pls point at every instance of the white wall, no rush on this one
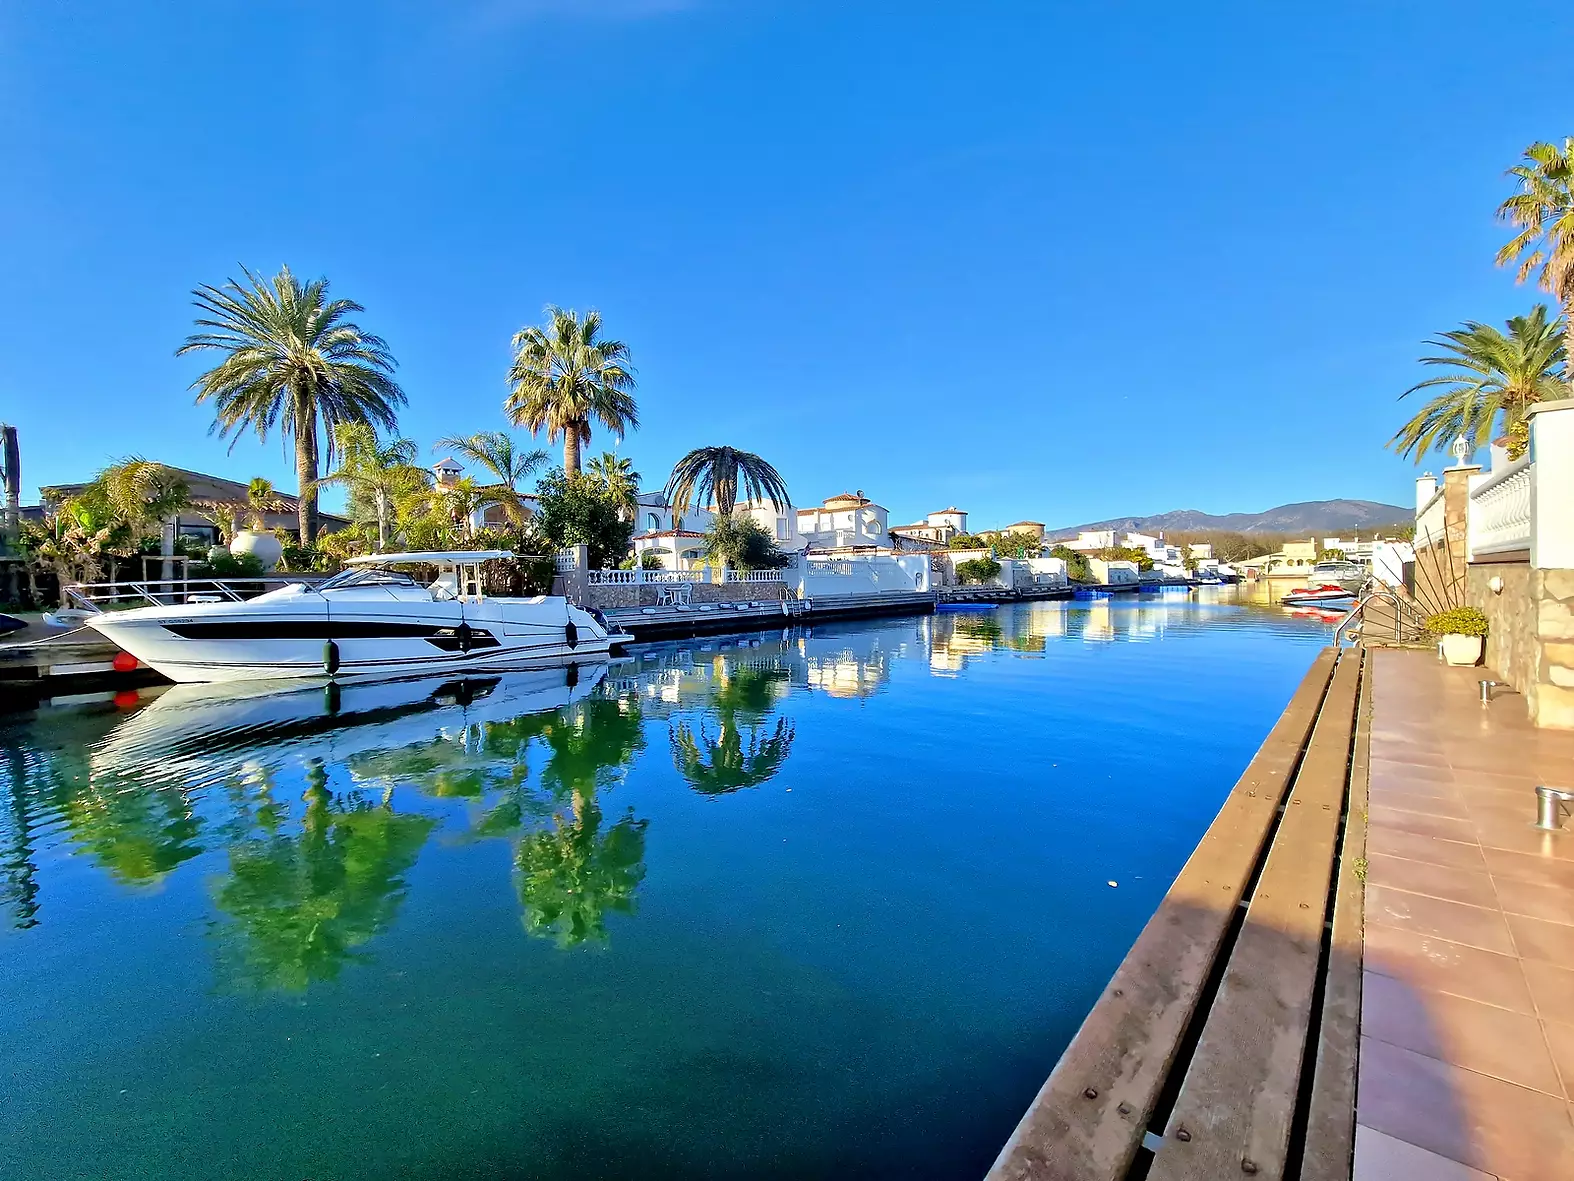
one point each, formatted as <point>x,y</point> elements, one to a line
<point>859,574</point>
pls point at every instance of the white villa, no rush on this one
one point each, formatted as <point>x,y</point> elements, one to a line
<point>676,538</point>
<point>850,520</point>
<point>939,527</point>
<point>448,472</point>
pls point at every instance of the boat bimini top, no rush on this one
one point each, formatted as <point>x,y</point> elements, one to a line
<point>458,571</point>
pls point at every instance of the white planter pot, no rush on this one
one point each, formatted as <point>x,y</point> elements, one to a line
<point>1465,650</point>
<point>265,546</point>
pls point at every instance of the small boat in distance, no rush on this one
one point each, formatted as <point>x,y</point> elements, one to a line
<point>1327,595</point>
<point>372,620</point>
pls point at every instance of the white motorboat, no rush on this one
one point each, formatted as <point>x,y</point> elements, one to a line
<point>373,620</point>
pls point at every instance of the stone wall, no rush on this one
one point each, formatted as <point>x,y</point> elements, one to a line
<point>1531,634</point>
<point>613,596</point>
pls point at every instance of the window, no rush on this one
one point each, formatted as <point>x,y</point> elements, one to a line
<point>677,523</point>
<point>652,522</point>
<point>781,529</point>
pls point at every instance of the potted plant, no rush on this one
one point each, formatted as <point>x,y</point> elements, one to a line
<point>255,538</point>
<point>1463,632</point>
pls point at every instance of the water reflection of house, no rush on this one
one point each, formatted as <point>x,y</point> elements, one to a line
<point>1099,623</point>
<point>845,674</point>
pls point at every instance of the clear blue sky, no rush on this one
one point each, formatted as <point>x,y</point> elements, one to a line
<point>1047,260</point>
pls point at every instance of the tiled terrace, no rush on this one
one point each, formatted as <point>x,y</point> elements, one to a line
<point>1467,1014</point>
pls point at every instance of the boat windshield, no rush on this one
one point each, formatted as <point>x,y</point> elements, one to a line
<point>367,576</point>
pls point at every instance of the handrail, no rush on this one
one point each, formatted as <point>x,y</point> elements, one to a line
<point>1370,592</point>
<point>1501,476</point>
<point>162,592</point>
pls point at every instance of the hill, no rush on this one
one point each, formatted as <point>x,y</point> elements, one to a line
<point>1319,517</point>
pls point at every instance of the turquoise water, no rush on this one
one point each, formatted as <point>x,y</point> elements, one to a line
<point>825,903</point>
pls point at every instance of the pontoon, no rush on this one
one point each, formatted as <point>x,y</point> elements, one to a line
<point>372,620</point>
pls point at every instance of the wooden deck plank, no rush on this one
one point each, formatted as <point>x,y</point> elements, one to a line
<point>1087,1120</point>
<point>1330,1128</point>
<point>1237,1102</point>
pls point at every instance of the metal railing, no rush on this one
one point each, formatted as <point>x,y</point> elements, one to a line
<point>1406,614</point>
<point>166,592</point>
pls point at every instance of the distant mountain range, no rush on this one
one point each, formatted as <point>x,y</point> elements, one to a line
<point>1321,517</point>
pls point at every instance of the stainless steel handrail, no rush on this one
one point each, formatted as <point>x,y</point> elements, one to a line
<point>1372,591</point>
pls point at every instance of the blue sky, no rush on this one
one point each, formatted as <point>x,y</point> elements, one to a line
<point>1047,260</point>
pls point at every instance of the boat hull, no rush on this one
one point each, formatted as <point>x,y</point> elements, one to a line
<point>303,635</point>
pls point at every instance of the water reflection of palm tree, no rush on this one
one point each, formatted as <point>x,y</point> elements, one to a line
<point>136,831</point>
<point>575,872</point>
<point>716,763</point>
<point>302,904</point>
<point>18,871</point>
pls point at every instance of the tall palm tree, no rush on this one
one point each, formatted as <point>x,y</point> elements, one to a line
<point>379,476</point>
<point>565,377</point>
<point>509,465</point>
<point>713,475</point>
<point>291,357</point>
<point>1543,212</point>
<point>619,479</point>
<point>1489,373</point>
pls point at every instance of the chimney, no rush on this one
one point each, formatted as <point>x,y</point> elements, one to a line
<point>1426,488</point>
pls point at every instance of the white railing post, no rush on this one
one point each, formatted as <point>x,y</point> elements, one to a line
<point>1552,485</point>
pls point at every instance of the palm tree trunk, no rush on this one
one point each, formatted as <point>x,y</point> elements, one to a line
<point>571,451</point>
<point>1568,332</point>
<point>382,520</point>
<point>306,469</point>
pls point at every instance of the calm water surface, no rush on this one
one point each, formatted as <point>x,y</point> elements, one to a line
<point>815,904</point>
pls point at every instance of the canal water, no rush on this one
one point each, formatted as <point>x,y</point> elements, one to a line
<point>823,903</point>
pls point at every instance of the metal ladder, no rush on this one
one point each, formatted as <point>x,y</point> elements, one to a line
<point>1406,615</point>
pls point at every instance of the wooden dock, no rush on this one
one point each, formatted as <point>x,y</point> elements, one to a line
<point>654,623</point>
<point>1225,1044</point>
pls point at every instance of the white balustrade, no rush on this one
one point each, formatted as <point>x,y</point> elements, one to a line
<point>1431,523</point>
<point>1499,520</point>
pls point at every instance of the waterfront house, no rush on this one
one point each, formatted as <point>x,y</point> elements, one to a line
<point>448,471</point>
<point>936,529</point>
<point>200,486</point>
<point>1031,529</point>
<point>847,521</point>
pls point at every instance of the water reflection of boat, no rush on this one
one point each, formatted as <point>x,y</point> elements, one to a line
<point>196,732</point>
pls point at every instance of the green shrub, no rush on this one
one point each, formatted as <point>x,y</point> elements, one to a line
<point>977,570</point>
<point>1077,569</point>
<point>223,565</point>
<point>1458,621</point>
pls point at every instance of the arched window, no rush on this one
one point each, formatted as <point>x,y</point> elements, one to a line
<point>677,523</point>
<point>652,522</point>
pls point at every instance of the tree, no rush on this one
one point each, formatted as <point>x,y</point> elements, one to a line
<point>1543,212</point>
<point>1490,373</point>
<point>291,358</point>
<point>578,511</point>
<point>380,477</point>
<point>508,464</point>
<point>713,475</point>
<point>566,377</point>
<point>743,544</point>
<point>618,477</point>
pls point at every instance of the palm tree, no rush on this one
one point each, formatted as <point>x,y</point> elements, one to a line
<point>619,479</point>
<point>565,377</point>
<point>291,357</point>
<point>495,451</point>
<point>379,476</point>
<point>1543,212</point>
<point>714,475</point>
<point>1489,373</point>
